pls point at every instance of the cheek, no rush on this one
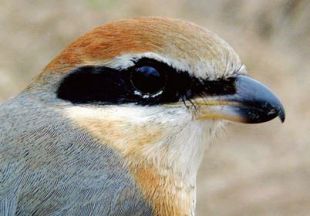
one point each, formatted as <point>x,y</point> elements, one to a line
<point>130,130</point>
<point>126,137</point>
<point>126,130</point>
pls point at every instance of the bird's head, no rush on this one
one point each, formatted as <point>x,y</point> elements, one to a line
<point>154,89</point>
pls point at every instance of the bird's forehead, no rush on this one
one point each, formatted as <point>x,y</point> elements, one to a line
<point>181,44</point>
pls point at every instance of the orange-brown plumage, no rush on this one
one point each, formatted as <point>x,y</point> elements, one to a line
<point>170,37</point>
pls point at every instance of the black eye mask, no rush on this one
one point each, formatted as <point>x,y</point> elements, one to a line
<point>148,82</point>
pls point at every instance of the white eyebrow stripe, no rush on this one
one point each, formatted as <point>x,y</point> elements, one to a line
<point>202,69</point>
<point>127,60</point>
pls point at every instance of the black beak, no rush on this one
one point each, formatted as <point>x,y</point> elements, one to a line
<point>252,102</point>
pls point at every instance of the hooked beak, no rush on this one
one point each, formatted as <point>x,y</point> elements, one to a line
<point>252,102</point>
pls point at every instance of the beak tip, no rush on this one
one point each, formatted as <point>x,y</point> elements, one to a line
<point>281,115</point>
<point>280,111</point>
<point>277,111</point>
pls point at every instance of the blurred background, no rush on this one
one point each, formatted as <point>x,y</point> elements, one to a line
<point>250,169</point>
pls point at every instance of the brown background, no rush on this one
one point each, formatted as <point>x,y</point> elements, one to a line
<point>250,169</point>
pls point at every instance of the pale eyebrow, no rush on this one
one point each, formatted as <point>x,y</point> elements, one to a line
<point>201,70</point>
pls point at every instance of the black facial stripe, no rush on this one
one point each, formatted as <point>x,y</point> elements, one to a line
<point>103,85</point>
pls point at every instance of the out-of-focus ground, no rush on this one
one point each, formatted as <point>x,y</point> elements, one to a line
<point>250,169</point>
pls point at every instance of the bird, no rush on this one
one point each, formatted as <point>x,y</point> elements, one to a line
<point>118,122</point>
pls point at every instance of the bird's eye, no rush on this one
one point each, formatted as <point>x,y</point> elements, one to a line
<point>147,80</point>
